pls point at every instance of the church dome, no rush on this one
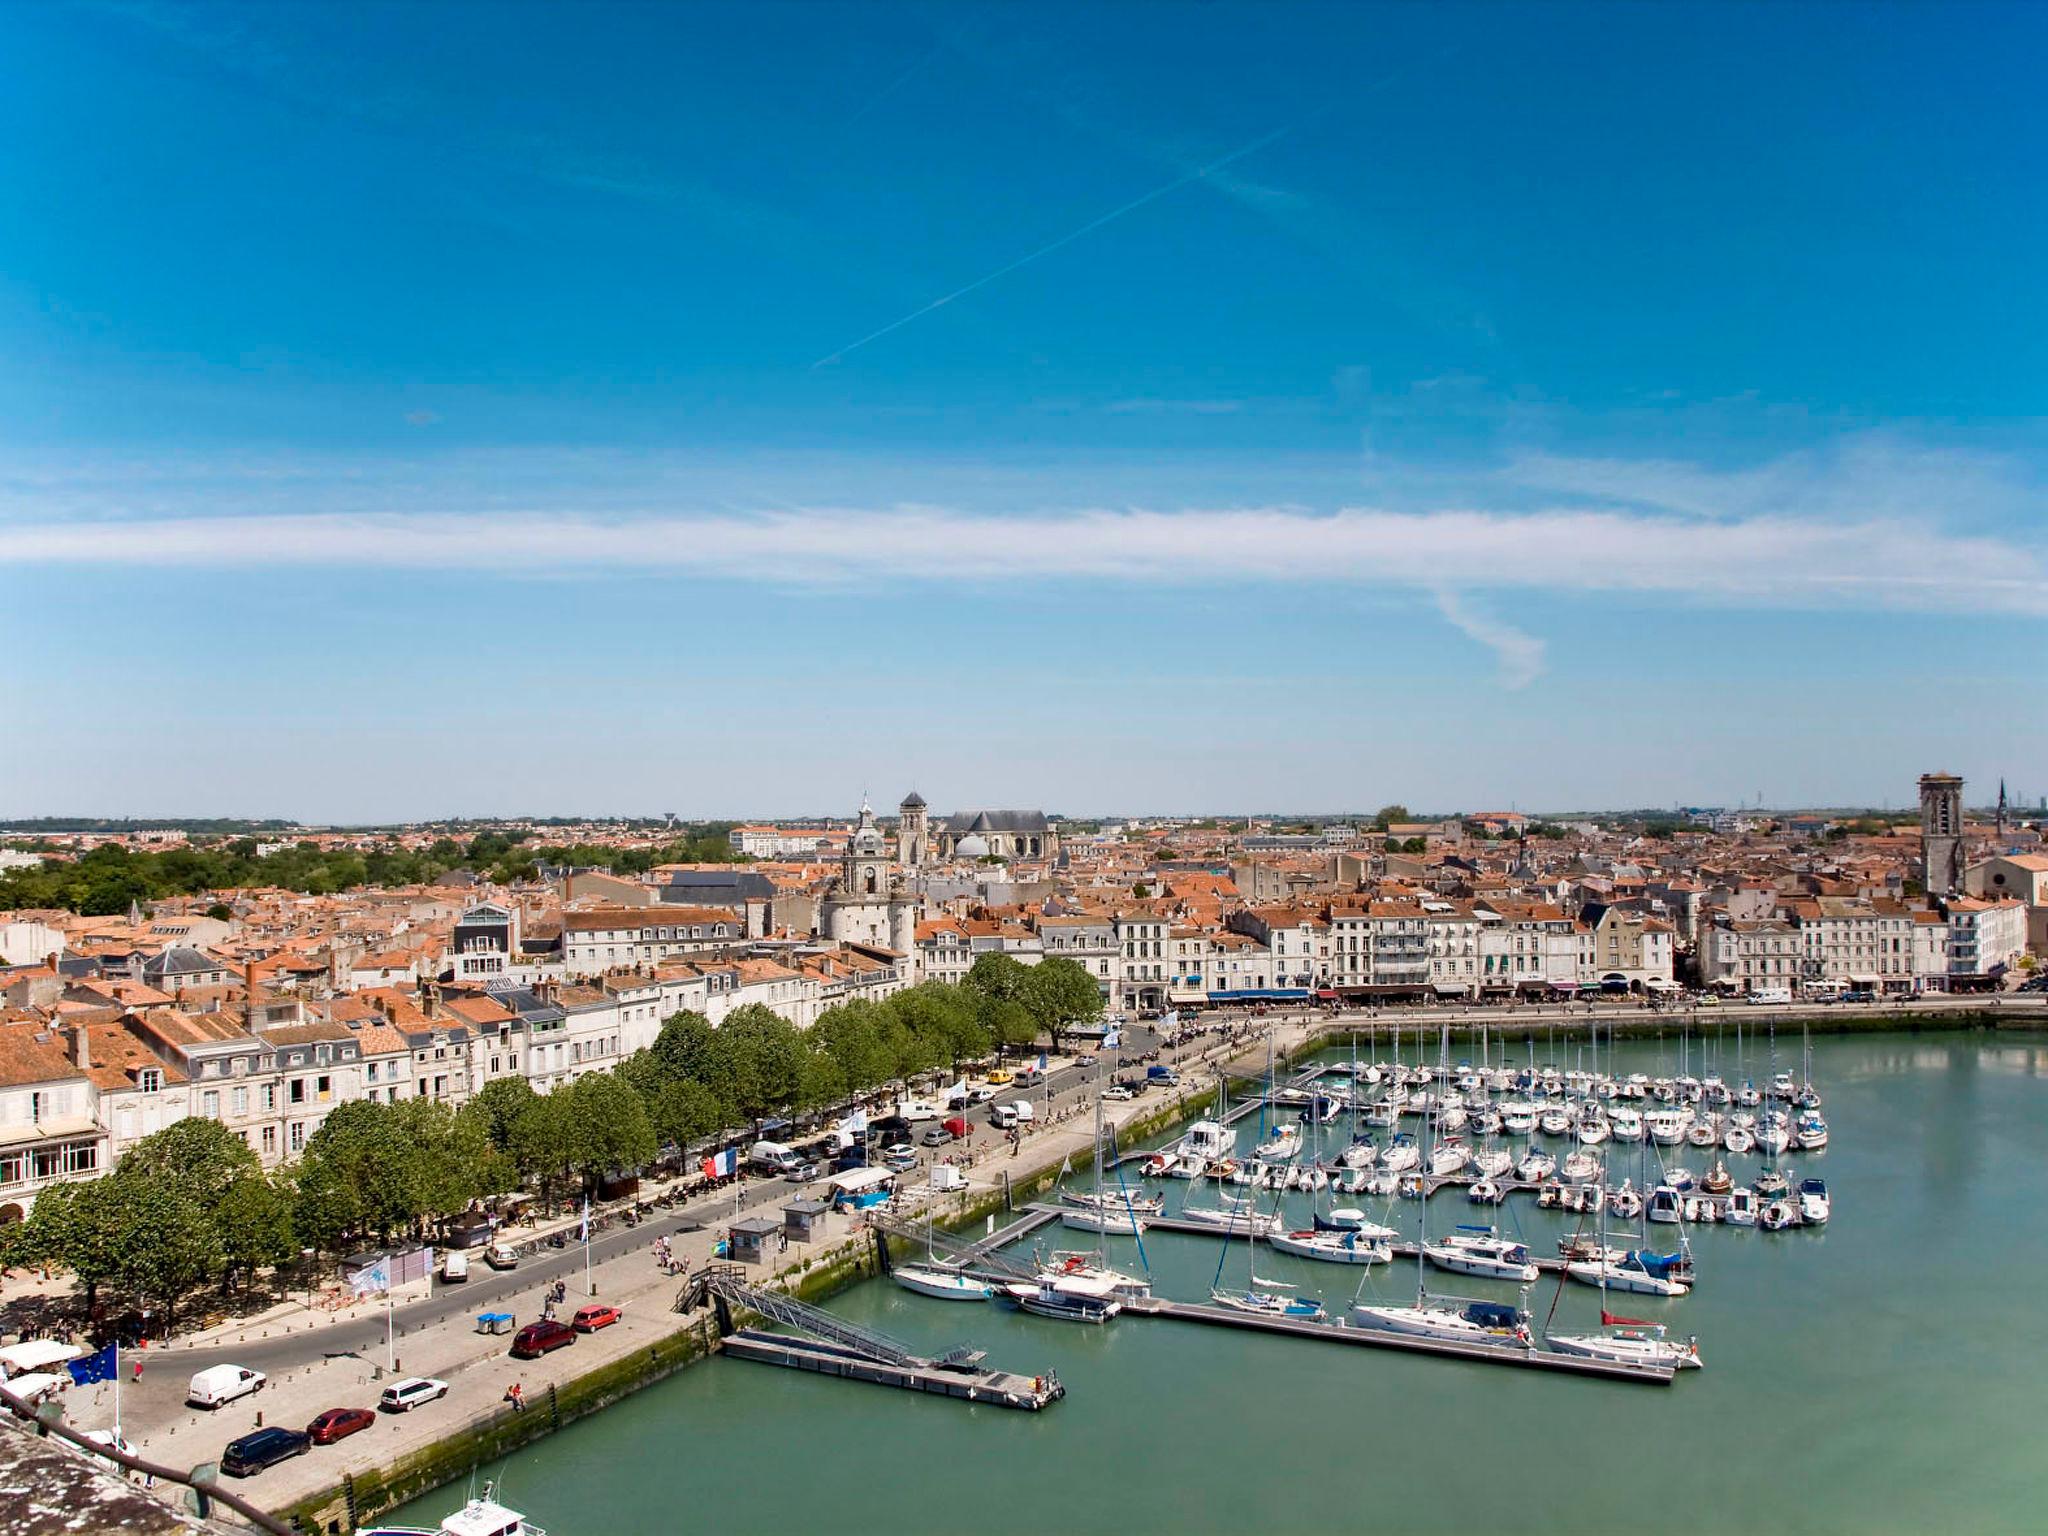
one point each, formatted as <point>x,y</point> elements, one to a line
<point>972,847</point>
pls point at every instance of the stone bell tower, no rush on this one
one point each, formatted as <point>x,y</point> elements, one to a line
<point>913,839</point>
<point>1941,833</point>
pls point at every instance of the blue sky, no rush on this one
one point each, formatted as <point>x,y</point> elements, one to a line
<point>483,408</point>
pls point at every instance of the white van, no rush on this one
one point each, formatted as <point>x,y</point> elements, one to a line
<point>220,1384</point>
<point>1025,1113</point>
<point>772,1157</point>
<point>1003,1116</point>
<point>1771,995</point>
<point>454,1265</point>
<point>915,1110</point>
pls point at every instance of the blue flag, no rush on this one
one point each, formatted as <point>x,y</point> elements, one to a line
<point>104,1366</point>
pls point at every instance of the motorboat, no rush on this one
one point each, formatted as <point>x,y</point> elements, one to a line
<point>483,1516</point>
<point>1477,1322</point>
<point>1664,1204</point>
<point>1479,1251</point>
<point>1043,1299</point>
<point>1353,1181</point>
<point>1347,1218</point>
<point>1777,1215</point>
<point>1811,1134</point>
<point>1626,1203</point>
<point>1679,1177</point>
<point>1517,1118</point>
<point>1554,1122</point>
<point>1486,1191</point>
<point>1593,1129</point>
<point>1741,1209</point>
<point>1814,1205</point>
<point>1624,1123</point>
<point>1206,1140</point>
<point>1739,1139</point>
<point>1666,1126</point>
<point>1717,1179</point>
<point>941,1284</point>
<point>1343,1246</point>
<point>1078,1271</point>
<point>1771,1183</point>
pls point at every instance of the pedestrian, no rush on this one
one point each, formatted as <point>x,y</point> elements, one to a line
<point>138,1369</point>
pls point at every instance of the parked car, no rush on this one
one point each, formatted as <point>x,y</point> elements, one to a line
<point>981,1093</point>
<point>454,1266</point>
<point>936,1136</point>
<point>1118,1093</point>
<point>902,1159</point>
<point>265,1448</point>
<point>338,1424</point>
<point>1000,1076</point>
<point>501,1256</point>
<point>802,1173</point>
<point>591,1318</point>
<point>221,1384</point>
<point>537,1339</point>
<point>404,1396</point>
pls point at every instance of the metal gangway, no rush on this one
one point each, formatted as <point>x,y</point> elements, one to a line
<point>726,1286</point>
<point>954,1250</point>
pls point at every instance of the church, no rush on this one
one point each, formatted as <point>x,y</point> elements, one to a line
<point>971,835</point>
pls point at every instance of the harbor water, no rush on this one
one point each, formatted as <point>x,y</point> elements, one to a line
<point>1881,1373</point>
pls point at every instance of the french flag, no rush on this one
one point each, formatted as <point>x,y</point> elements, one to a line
<point>722,1165</point>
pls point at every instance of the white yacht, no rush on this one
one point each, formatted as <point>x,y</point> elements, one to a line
<point>479,1517</point>
<point>1450,1156</point>
<point>1625,1275</point>
<point>1477,1322</point>
<point>1535,1166</point>
<point>941,1284</point>
<point>1625,1123</point>
<point>1814,1204</point>
<point>1283,1144</point>
<point>1347,1245</point>
<point>1478,1251</point>
<point>1630,1344</point>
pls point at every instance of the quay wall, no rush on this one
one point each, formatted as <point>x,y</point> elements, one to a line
<point>815,1278</point>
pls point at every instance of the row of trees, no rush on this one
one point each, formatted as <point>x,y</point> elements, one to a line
<point>108,878</point>
<point>192,1205</point>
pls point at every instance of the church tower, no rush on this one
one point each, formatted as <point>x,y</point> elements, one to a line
<point>1941,833</point>
<point>912,836</point>
<point>864,870</point>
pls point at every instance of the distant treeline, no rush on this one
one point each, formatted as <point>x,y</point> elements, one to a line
<point>106,880</point>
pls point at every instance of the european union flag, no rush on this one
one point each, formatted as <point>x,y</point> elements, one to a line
<point>104,1366</point>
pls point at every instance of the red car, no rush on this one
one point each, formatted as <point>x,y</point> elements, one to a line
<point>537,1339</point>
<point>338,1424</point>
<point>590,1319</point>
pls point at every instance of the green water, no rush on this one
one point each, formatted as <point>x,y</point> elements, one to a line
<point>1881,1374</point>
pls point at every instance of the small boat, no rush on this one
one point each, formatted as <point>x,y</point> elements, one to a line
<point>1233,1217</point>
<point>1401,1154</point>
<point>1043,1299</point>
<point>1517,1118</point>
<point>1718,1180</point>
<point>1486,1192</point>
<point>1739,1139</point>
<point>942,1284</point>
<point>1479,1251</point>
<point>1554,1122</point>
<point>1450,1156</point>
<point>1493,1162</point>
<point>1579,1167</point>
<point>1772,1183</point>
<point>1664,1204</point>
<point>1704,1132</point>
<point>1271,1303</point>
<point>1814,1205</point>
<point>1811,1134</point>
<point>1333,1247</point>
<point>1078,1272</point>
<point>1625,1123</point>
<point>1626,1202</point>
<point>1354,1181</point>
<point>1778,1215</point>
<point>1349,1219</point>
<point>1679,1178</point>
<point>1741,1210</point>
<point>1593,1130</point>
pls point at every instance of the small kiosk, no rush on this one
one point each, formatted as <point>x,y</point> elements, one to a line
<point>748,1241</point>
<point>804,1220</point>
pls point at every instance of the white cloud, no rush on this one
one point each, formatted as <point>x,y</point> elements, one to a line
<point>1763,560</point>
<point>1520,655</point>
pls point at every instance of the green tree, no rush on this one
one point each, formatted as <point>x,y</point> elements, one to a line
<point>1059,993</point>
<point>363,1174</point>
<point>1388,815</point>
<point>760,1054</point>
<point>200,1157</point>
<point>607,1126</point>
<point>253,1225</point>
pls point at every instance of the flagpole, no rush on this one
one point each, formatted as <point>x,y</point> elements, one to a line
<point>117,1394</point>
<point>589,1285</point>
<point>390,1333</point>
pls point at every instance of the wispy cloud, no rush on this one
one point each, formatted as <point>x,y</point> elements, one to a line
<point>1876,563</point>
<point>1520,654</point>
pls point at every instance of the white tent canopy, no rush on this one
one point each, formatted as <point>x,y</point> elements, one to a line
<point>36,1355</point>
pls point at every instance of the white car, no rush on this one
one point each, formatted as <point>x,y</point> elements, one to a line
<point>404,1396</point>
<point>1117,1093</point>
<point>981,1093</point>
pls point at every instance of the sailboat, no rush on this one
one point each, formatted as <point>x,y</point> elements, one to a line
<point>1628,1341</point>
<point>1267,1298</point>
<point>935,1280</point>
<point>1081,1287</point>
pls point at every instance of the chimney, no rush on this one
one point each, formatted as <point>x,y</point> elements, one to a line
<point>430,999</point>
<point>81,1050</point>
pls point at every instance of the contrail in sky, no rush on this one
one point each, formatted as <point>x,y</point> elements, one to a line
<point>1064,240</point>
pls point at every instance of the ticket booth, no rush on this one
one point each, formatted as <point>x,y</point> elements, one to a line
<point>804,1220</point>
<point>749,1241</point>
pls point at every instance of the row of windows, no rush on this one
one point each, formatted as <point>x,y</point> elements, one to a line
<point>48,1163</point>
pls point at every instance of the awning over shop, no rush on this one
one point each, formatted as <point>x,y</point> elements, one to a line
<point>1260,995</point>
<point>1179,995</point>
<point>1450,989</point>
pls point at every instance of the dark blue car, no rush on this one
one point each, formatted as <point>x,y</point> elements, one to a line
<point>265,1448</point>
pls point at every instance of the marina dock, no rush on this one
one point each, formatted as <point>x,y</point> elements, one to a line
<point>1338,1333</point>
